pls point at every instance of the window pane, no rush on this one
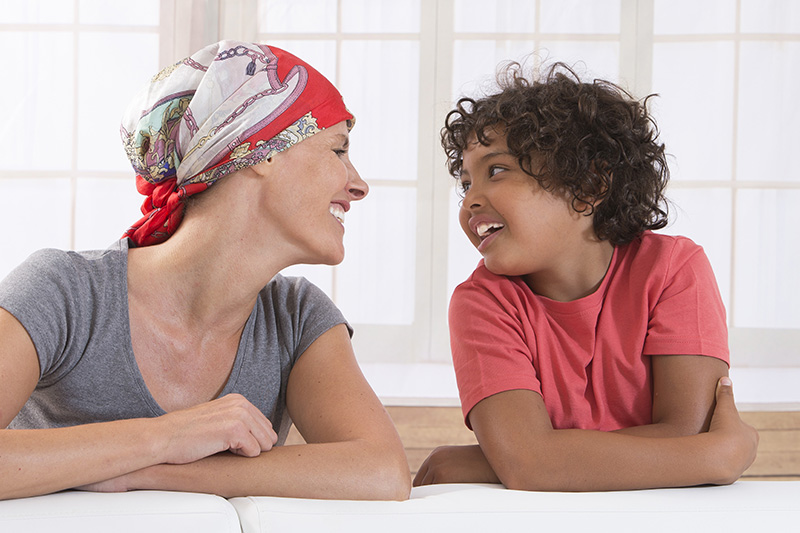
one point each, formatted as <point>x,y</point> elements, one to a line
<point>695,119</point>
<point>704,215</point>
<point>27,230</point>
<point>770,16</point>
<point>590,59</point>
<point>104,209</point>
<point>767,255</point>
<point>138,13</point>
<point>380,83</point>
<point>380,16</point>
<point>36,132</point>
<point>36,12</point>
<point>475,63</point>
<point>580,16</point>
<point>376,282</point>
<point>768,111</point>
<point>694,16</point>
<point>128,59</point>
<point>500,16</point>
<point>297,16</point>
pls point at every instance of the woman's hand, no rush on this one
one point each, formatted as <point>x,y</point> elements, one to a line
<point>230,423</point>
<point>455,464</point>
<point>737,441</point>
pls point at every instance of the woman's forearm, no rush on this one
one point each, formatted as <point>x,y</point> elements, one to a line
<point>357,470</point>
<point>42,461</point>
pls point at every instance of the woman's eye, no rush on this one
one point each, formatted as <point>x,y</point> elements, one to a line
<point>340,152</point>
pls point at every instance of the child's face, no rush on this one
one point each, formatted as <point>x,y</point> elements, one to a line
<point>519,228</point>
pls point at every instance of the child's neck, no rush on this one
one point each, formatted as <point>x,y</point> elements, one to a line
<point>576,276</point>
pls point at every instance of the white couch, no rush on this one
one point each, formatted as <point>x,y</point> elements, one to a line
<point>745,506</point>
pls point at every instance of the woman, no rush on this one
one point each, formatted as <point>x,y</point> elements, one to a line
<point>173,359</point>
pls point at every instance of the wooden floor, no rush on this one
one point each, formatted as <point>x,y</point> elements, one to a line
<point>424,428</point>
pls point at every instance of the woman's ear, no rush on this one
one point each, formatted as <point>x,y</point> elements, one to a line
<point>264,167</point>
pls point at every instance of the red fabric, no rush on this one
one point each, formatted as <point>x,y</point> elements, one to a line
<point>163,209</point>
<point>589,358</point>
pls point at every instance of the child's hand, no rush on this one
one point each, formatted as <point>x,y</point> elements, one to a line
<point>455,464</point>
<point>738,441</point>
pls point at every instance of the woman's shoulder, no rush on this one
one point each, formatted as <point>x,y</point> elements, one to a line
<point>48,257</point>
<point>291,288</point>
<point>75,276</point>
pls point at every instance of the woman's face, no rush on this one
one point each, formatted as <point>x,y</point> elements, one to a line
<point>310,187</point>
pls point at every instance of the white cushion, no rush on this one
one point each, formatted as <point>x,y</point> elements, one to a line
<point>744,506</point>
<point>130,512</point>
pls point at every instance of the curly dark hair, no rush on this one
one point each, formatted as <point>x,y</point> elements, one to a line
<point>598,144</point>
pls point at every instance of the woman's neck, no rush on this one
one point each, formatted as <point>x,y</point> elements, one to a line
<point>208,274</point>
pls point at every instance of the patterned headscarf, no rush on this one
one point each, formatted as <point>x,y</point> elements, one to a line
<point>229,106</point>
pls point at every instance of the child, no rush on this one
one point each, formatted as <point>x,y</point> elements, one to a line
<point>587,348</point>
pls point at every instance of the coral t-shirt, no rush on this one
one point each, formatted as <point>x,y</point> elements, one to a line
<point>588,358</point>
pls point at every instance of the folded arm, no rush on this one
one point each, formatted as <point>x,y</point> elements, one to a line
<point>222,447</point>
<point>353,449</point>
<point>519,444</point>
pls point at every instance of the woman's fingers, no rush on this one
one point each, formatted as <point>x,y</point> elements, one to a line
<point>230,423</point>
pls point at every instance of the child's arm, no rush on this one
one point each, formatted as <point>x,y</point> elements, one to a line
<point>683,404</point>
<point>683,395</point>
<point>519,443</point>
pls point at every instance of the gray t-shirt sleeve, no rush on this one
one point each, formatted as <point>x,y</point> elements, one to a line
<point>43,294</point>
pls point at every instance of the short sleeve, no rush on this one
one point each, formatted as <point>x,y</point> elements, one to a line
<point>489,343</point>
<point>689,315</point>
<point>301,312</point>
<point>37,293</point>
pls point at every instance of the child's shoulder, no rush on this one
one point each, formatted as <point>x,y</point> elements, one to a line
<point>494,286</point>
<point>651,246</point>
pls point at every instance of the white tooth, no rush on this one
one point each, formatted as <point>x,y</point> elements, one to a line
<point>337,211</point>
<point>484,227</point>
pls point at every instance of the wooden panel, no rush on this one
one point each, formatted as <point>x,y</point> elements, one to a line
<point>424,428</point>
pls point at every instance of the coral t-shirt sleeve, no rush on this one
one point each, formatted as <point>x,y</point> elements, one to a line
<point>689,315</point>
<point>489,342</point>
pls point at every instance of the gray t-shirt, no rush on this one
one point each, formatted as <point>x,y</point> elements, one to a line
<point>74,306</point>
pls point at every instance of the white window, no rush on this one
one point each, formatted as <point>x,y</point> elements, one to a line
<point>725,70</point>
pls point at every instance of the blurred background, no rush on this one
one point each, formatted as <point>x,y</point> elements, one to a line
<point>727,72</point>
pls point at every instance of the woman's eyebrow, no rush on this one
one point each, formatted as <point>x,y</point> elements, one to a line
<point>345,139</point>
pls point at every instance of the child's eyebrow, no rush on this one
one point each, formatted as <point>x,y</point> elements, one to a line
<point>490,155</point>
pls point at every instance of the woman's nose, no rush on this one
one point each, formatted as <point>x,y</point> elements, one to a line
<point>357,188</point>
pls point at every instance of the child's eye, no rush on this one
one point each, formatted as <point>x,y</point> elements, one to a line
<point>493,171</point>
<point>463,186</point>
